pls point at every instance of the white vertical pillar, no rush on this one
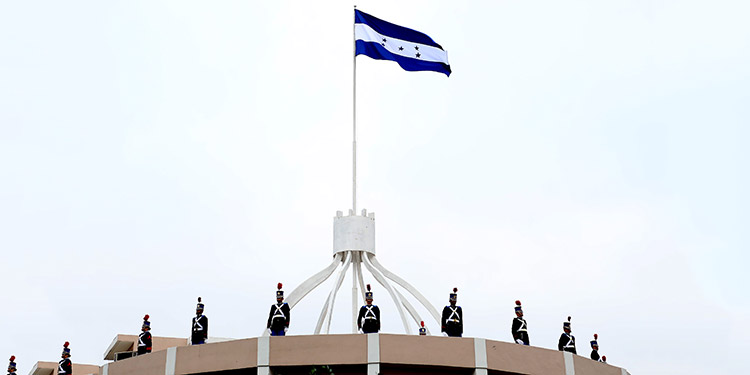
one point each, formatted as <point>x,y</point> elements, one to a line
<point>373,353</point>
<point>569,366</point>
<point>264,354</point>
<point>355,310</point>
<point>171,361</point>
<point>480,357</point>
<point>105,369</point>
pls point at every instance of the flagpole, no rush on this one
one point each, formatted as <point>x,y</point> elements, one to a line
<point>354,119</point>
<point>354,167</point>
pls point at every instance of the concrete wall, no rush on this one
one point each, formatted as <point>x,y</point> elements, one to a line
<point>78,369</point>
<point>158,342</point>
<point>220,356</point>
<point>427,350</point>
<point>318,350</point>
<point>400,354</point>
<point>153,363</point>
<point>585,365</point>
<point>503,356</point>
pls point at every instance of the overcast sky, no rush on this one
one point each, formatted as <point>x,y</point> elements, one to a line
<point>588,158</point>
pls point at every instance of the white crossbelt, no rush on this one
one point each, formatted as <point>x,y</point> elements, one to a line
<point>60,369</point>
<point>197,325</point>
<point>140,340</point>
<point>370,314</point>
<point>278,312</point>
<point>454,313</point>
<point>523,325</point>
<point>570,341</point>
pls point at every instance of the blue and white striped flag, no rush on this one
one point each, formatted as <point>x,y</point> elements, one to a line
<point>413,50</point>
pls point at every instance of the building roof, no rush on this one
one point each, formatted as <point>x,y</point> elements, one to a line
<point>50,368</point>
<point>125,343</point>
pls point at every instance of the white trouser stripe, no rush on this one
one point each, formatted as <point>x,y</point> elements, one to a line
<point>427,53</point>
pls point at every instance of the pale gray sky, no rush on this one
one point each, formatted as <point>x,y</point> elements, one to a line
<point>586,157</point>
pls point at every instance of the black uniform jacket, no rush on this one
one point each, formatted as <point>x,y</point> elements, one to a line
<point>370,320</point>
<point>595,355</point>
<point>144,343</point>
<point>567,343</point>
<point>278,318</point>
<point>65,367</point>
<point>200,329</point>
<point>519,330</point>
<point>452,323</point>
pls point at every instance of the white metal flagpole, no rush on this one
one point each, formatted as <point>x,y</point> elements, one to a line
<point>354,120</point>
<point>354,165</point>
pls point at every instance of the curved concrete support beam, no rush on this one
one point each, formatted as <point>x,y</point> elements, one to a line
<point>358,267</point>
<point>414,292</point>
<point>412,311</point>
<point>327,312</point>
<point>381,274</point>
<point>322,317</point>
<point>347,263</point>
<point>311,283</point>
<point>384,282</point>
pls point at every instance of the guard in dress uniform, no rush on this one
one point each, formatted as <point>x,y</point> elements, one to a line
<point>422,329</point>
<point>278,318</point>
<point>368,320</point>
<point>12,365</point>
<point>453,317</point>
<point>595,348</point>
<point>567,341</point>
<point>200,325</point>
<point>519,329</point>
<point>144,339</point>
<point>65,366</point>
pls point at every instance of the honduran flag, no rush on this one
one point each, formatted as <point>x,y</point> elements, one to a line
<point>413,50</point>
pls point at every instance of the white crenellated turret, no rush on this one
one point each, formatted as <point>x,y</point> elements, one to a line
<point>354,233</point>
<point>354,246</point>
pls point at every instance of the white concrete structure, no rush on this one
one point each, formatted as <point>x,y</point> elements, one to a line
<point>354,245</point>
